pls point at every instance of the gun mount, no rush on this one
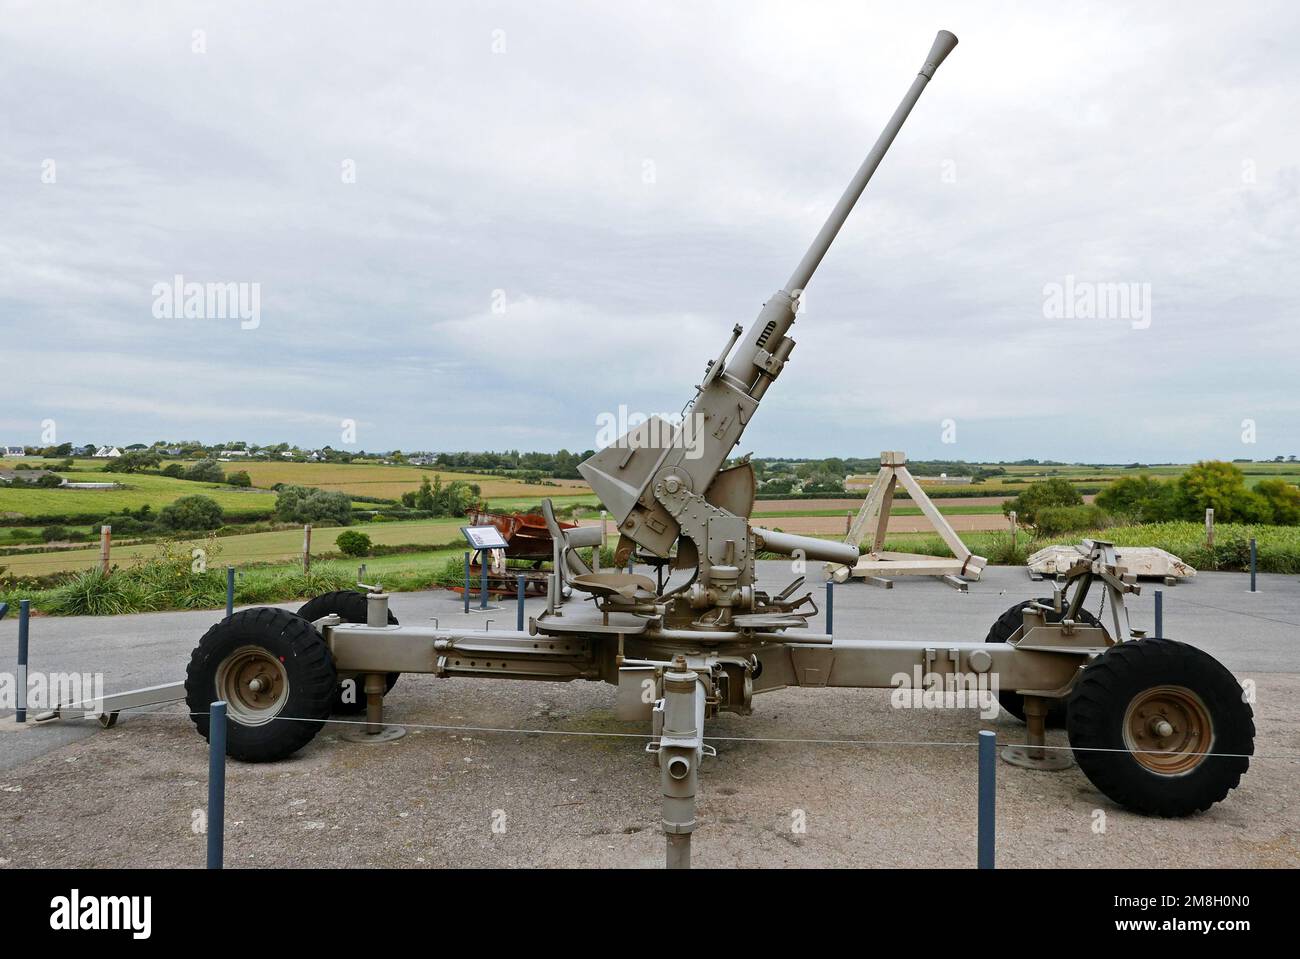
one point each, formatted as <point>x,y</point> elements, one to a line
<point>665,483</point>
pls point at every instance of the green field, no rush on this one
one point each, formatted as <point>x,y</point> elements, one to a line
<point>390,481</point>
<point>138,490</point>
<point>43,506</point>
<point>284,545</point>
<point>267,556</point>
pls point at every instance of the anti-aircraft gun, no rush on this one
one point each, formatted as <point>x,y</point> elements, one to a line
<point>1157,725</point>
<point>664,482</point>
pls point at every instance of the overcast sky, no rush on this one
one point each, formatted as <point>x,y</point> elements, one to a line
<point>558,208</point>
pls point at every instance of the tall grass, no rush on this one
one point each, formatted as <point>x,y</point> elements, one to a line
<point>1277,547</point>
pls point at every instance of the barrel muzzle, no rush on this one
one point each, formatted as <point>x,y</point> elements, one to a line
<point>944,43</point>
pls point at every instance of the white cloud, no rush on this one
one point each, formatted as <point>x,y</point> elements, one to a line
<point>1105,142</point>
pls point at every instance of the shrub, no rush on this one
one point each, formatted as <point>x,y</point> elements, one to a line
<point>205,471</point>
<point>174,470</point>
<point>191,513</point>
<point>1002,549</point>
<point>49,481</point>
<point>1140,499</point>
<point>167,580</point>
<point>133,462</point>
<point>352,543</point>
<point>1047,493</point>
<point>451,573</point>
<point>1056,520</point>
<point>1284,500</point>
<point>54,533</point>
<point>438,500</point>
<point>303,504</point>
<point>239,479</point>
<point>1220,486</point>
<point>125,523</point>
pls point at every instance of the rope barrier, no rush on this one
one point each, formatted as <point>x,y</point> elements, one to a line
<point>972,744</point>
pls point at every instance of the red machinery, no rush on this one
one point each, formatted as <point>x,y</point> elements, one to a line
<point>527,541</point>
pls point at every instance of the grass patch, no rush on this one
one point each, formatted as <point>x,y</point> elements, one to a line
<point>35,506</point>
<point>1278,547</point>
<point>267,547</point>
<point>169,580</point>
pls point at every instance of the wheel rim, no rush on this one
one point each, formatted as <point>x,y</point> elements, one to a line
<point>1168,729</point>
<point>254,685</point>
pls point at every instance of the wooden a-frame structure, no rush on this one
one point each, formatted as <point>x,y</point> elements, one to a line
<point>876,565</point>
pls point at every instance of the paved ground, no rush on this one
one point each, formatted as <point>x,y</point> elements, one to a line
<point>74,795</point>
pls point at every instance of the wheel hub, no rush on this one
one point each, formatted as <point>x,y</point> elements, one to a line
<point>254,685</point>
<point>1168,729</point>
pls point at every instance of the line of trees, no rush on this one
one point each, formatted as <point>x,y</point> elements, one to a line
<point>1210,484</point>
<point>1054,506</point>
<point>561,465</point>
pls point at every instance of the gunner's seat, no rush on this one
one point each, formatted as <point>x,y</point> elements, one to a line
<point>617,587</point>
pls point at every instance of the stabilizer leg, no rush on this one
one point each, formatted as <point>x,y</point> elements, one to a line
<point>679,752</point>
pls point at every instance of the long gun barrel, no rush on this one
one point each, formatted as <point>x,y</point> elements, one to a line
<point>623,474</point>
<point>943,45</point>
<point>766,347</point>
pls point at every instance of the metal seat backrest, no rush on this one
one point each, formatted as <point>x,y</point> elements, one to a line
<point>571,563</point>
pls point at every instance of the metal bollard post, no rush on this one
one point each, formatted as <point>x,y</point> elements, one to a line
<point>519,603</point>
<point>1252,565</point>
<point>216,783</point>
<point>230,590</point>
<point>987,797</point>
<point>830,606</point>
<point>1160,614</point>
<point>467,582</point>
<point>24,615</point>
<point>482,583</point>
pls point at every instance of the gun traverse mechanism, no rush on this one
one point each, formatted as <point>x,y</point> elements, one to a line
<point>665,483</point>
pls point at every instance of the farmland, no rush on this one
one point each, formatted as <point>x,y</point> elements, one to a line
<point>977,514</point>
<point>37,507</point>
<point>137,490</point>
<point>273,547</point>
<point>390,482</point>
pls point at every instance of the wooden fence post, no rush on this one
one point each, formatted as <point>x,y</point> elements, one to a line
<point>1209,527</point>
<point>105,548</point>
<point>306,548</point>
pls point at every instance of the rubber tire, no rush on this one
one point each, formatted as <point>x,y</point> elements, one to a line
<point>310,669</point>
<point>1097,707</point>
<point>1004,628</point>
<point>350,606</point>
